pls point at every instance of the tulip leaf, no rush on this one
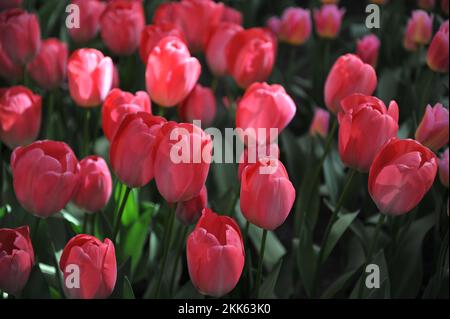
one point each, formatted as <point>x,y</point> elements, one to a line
<point>268,286</point>
<point>127,289</point>
<point>36,287</point>
<point>334,175</point>
<point>131,211</point>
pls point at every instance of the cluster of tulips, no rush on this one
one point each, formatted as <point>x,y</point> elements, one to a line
<point>47,174</point>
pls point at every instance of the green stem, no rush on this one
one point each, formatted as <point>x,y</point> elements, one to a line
<point>50,111</point>
<point>86,142</point>
<point>85,223</point>
<point>55,263</point>
<point>119,216</point>
<point>214,84</point>
<point>93,217</point>
<point>177,258</point>
<point>1,174</point>
<point>260,263</point>
<point>36,230</point>
<point>231,209</point>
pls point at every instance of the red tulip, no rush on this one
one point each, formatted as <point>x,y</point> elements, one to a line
<point>368,48</point>
<point>90,13</point>
<point>443,168</point>
<point>320,123</point>
<point>189,212</point>
<point>232,15</point>
<point>20,35</point>
<point>347,76</point>
<point>295,26</point>
<point>181,159</point>
<point>274,25</point>
<point>437,56</point>
<point>117,105</point>
<point>45,175</point>
<point>419,28</point>
<point>250,56</point>
<point>121,26</point>
<point>8,4</point>
<point>365,126</point>
<point>90,76</point>
<point>166,13</point>
<point>16,258</point>
<point>20,116</point>
<point>215,254</point>
<point>131,148</point>
<point>171,72</point>
<point>95,184</point>
<point>215,48</point>
<point>328,20</point>
<point>252,154</point>
<point>48,68</point>
<point>9,70</point>
<point>433,129</point>
<point>267,194</point>
<point>263,109</point>
<point>199,105</point>
<point>96,264</point>
<point>401,174</point>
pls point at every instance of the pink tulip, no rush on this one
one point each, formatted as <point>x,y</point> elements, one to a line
<point>437,56</point>
<point>9,70</point>
<point>419,28</point>
<point>252,154</point>
<point>90,13</point>
<point>189,212</point>
<point>320,123</point>
<point>368,49</point>
<point>328,20</point>
<point>232,15</point>
<point>295,26</point>
<point>199,105</point>
<point>274,25</point>
<point>433,129</point>
<point>443,168</point>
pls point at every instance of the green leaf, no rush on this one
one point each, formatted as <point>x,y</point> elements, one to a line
<point>127,289</point>
<point>334,175</point>
<point>36,287</point>
<point>307,259</point>
<point>268,286</point>
<point>131,211</point>
<point>188,291</point>
<point>342,282</point>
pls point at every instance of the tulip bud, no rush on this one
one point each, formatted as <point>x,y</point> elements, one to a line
<point>267,194</point>
<point>20,116</point>
<point>189,212</point>
<point>9,70</point>
<point>274,25</point>
<point>320,123</point>
<point>16,259</point>
<point>347,76</point>
<point>171,72</point>
<point>328,20</point>
<point>96,264</point>
<point>295,26</point>
<point>433,129</point>
<point>117,105</point>
<point>419,28</point>
<point>8,4</point>
<point>437,56</point>
<point>90,76</point>
<point>401,175</point>
<point>45,175</point>
<point>232,15</point>
<point>20,35</point>
<point>199,105</point>
<point>131,148</point>
<point>215,254</point>
<point>95,184</point>
<point>48,68</point>
<point>181,159</point>
<point>365,126</point>
<point>90,13</point>
<point>250,56</point>
<point>252,154</point>
<point>263,109</point>
<point>443,168</point>
<point>368,48</point>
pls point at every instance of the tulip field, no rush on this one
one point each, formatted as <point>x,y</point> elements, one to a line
<point>233,149</point>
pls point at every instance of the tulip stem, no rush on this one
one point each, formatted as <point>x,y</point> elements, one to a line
<point>85,223</point>
<point>177,258</point>
<point>120,213</point>
<point>260,263</point>
<point>55,261</point>
<point>86,133</point>
<point>51,102</point>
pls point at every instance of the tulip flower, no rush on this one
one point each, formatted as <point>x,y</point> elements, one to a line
<point>320,123</point>
<point>131,148</point>
<point>216,45</point>
<point>365,126</point>
<point>121,25</point>
<point>433,129</point>
<point>45,176</point>
<point>199,105</point>
<point>171,72</point>
<point>20,116</point>
<point>252,154</point>
<point>418,29</point>
<point>437,56</point>
<point>328,20</point>
<point>401,175</point>
<point>90,13</point>
<point>215,254</point>
<point>250,56</point>
<point>368,49</point>
<point>96,264</point>
<point>16,259</point>
<point>274,25</point>
<point>20,35</point>
<point>9,70</point>
<point>443,168</point>
<point>189,212</point>
<point>295,26</point>
<point>347,76</point>
<point>426,4</point>
<point>8,4</point>
<point>48,68</point>
<point>263,109</point>
<point>166,13</point>
<point>117,105</point>
<point>90,76</point>
<point>181,160</point>
<point>95,184</point>
<point>232,15</point>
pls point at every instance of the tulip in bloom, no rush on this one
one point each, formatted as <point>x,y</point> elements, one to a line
<point>365,126</point>
<point>16,258</point>
<point>274,25</point>
<point>131,148</point>
<point>328,20</point>
<point>252,154</point>
<point>433,129</point>
<point>295,26</point>
<point>250,56</point>
<point>443,168</point>
<point>320,123</point>
<point>48,68</point>
<point>437,56</point>
<point>90,76</point>
<point>45,176</point>
<point>199,105</point>
<point>97,266</point>
<point>368,49</point>
<point>95,184</point>
<point>117,105</point>
<point>90,13</point>
<point>20,35</point>
<point>9,70</point>
<point>347,76</point>
<point>20,116</point>
<point>401,175</point>
<point>232,15</point>
<point>215,254</point>
<point>171,72</point>
<point>189,212</point>
<point>419,28</point>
